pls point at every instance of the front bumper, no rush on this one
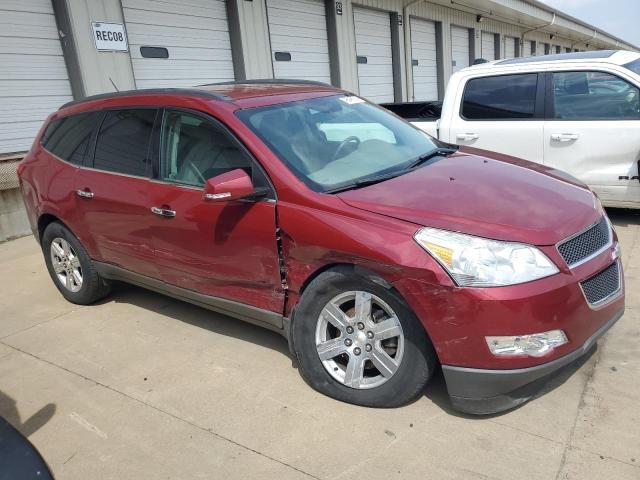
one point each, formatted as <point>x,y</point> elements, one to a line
<point>480,391</point>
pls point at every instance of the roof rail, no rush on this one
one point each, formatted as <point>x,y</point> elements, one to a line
<point>591,54</point>
<point>269,81</point>
<point>150,91</point>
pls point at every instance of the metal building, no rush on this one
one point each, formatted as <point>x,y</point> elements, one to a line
<point>52,51</point>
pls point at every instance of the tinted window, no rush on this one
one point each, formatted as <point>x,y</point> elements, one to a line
<point>123,141</point>
<point>500,98</point>
<point>594,95</point>
<point>194,149</point>
<point>68,137</point>
<point>634,66</point>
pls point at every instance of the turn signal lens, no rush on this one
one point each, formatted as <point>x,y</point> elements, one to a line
<point>534,345</point>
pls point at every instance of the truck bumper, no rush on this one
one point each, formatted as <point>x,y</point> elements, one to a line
<point>482,392</point>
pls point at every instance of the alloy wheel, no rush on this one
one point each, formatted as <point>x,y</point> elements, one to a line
<point>359,340</point>
<point>66,264</point>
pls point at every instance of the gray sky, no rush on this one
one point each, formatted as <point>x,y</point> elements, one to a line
<point>618,17</point>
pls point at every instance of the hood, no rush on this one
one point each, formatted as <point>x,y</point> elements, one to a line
<point>485,194</point>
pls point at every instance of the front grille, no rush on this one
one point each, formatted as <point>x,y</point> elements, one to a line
<point>602,285</point>
<point>586,244</point>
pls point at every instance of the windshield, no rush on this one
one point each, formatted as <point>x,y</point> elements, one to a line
<point>634,66</point>
<point>334,141</point>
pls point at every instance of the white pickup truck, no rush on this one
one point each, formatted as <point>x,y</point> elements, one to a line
<point>577,112</point>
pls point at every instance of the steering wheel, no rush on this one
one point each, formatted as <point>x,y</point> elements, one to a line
<point>343,145</point>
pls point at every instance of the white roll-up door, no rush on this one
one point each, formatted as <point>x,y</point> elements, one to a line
<point>373,49</point>
<point>299,45</point>
<point>424,59</point>
<point>459,47</point>
<point>33,76</point>
<point>195,34</point>
<point>509,47</point>
<point>488,46</point>
<point>527,48</point>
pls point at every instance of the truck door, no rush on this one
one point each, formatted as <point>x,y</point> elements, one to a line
<point>501,113</point>
<point>592,131</point>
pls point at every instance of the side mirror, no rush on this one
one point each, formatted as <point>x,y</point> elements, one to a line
<point>232,185</point>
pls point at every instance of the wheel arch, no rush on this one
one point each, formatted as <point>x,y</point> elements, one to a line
<point>47,219</point>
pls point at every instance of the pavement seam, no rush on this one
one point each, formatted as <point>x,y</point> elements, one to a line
<point>627,259</point>
<point>542,437</point>
<point>571,447</point>
<point>581,403</point>
<point>38,324</point>
<point>569,443</point>
<point>137,400</point>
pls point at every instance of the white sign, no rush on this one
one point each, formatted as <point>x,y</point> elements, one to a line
<point>110,36</point>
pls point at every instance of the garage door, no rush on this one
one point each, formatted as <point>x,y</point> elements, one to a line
<point>509,47</point>
<point>488,46</point>
<point>195,35</point>
<point>423,56</point>
<point>298,33</point>
<point>373,50</point>
<point>33,76</point>
<point>459,47</point>
<point>528,48</point>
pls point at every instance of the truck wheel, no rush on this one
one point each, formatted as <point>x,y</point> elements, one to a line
<point>70,267</point>
<point>358,342</point>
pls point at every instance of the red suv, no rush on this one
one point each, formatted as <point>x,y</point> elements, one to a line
<point>378,252</point>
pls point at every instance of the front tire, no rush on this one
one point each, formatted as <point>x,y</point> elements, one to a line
<point>358,342</point>
<point>70,267</point>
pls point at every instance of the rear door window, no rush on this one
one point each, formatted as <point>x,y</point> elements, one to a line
<point>68,138</point>
<point>123,141</point>
<point>504,97</point>
<point>594,96</point>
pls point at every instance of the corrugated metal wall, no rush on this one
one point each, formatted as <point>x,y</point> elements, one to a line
<point>33,75</point>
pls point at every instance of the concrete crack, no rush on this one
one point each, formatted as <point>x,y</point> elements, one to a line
<point>160,410</point>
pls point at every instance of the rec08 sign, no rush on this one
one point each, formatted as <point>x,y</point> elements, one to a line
<point>111,37</point>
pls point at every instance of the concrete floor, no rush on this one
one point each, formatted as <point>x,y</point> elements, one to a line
<point>142,386</point>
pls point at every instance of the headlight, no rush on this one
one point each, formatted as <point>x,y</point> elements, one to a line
<point>479,262</point>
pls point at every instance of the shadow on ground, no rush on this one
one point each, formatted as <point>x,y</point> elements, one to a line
<point>9,411</point>
<point>436,390</point>
<point>624,217</point>
<point>221,324</point>
<point>199,317</point>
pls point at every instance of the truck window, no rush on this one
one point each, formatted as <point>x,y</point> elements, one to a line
<point>634,66</point>
<point>503,97</point>
<point>594,96</point>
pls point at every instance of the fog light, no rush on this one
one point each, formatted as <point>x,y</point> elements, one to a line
<point>534,345</point>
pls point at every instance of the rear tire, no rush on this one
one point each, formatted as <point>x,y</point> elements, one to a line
<point>370,351</point>
<point>70,267</point>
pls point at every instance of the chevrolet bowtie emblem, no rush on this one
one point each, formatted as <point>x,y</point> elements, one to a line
<point>615,253</point>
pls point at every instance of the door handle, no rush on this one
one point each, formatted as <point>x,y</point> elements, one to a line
<point>86,193</point>
<point>467,136</point>
<point>163,212</point>
<point>564,137</point>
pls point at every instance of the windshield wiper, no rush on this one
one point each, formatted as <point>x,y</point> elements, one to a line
<point>364,182</point>
<point>436,152</point>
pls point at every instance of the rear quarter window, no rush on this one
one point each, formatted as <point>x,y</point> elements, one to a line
<point>68,138</point>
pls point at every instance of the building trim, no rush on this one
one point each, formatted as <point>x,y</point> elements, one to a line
<point>69,51</point>
<point>235,37</point>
